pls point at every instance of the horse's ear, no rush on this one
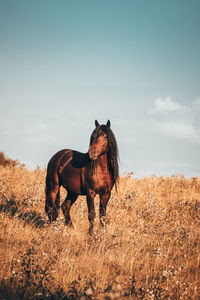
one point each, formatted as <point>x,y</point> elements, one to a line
<point>97,123</point>
<point>108,124</point>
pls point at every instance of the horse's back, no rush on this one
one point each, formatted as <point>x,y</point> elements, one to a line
<point>72,171</point>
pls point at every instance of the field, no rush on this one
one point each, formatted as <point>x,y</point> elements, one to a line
<point>150,248</point>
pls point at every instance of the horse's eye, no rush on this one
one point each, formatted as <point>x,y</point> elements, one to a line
<point>105,136</point>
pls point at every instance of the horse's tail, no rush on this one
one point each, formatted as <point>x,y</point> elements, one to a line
<point>52,191</point>
<point>49,183</point>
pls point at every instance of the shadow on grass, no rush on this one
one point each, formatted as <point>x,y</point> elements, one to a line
<point>10,291</point>
<point>11,208</point>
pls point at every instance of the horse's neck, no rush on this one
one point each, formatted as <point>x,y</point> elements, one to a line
<point>103,162</point>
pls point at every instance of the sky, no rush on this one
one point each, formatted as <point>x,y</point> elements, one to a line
<point>66,63</point>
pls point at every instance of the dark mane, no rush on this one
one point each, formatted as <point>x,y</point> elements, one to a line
<point>113,155</point>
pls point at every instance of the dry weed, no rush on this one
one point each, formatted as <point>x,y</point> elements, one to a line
<point>150,248</point>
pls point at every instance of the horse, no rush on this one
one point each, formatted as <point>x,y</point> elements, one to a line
<point>89,174</point>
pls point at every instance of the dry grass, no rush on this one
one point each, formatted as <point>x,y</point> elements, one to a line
<point>150,248</point>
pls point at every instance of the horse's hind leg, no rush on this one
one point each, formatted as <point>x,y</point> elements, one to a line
<point>57,202</point>
<point>53,203</point>
<point>66,206</point>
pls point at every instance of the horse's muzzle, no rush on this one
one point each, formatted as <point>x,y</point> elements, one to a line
<point>93,154</point>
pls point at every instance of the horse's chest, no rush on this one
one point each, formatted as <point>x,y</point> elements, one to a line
<point>101,181</point>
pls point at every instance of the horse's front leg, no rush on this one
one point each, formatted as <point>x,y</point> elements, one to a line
<point>91,210</point>
<point>102,207</point>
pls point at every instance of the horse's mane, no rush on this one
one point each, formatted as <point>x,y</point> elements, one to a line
<point>113,155</point>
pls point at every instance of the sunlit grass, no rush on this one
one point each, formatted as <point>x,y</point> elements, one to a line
<point>150,247</point>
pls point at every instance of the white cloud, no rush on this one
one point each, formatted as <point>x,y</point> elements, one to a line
<point>178,130</point>
<point>176,120</point>
<point>166,104</point>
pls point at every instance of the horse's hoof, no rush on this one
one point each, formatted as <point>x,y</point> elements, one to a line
<point>101,224</point>
<point>70,225</point>
<point>90,231</point>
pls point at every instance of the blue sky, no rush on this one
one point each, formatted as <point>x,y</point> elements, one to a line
<point>66,63</point>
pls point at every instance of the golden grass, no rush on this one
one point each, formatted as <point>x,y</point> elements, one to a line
<point>150,248</point>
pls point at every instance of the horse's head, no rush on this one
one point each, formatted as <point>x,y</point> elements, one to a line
<point>99,141</point>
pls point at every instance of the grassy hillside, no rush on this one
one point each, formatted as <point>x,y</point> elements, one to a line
<point>150,248</point>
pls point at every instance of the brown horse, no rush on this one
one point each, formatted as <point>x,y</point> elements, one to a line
<point>91,173</point>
